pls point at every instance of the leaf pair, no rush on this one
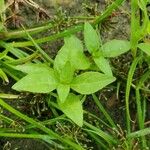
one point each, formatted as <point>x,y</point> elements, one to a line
<point>100,52</point>
<point>72,51</point>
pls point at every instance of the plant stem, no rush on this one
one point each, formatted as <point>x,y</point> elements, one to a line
<point>140,113</point>
<point>72,30</point>
<point>139,133</point>
<point>108,11</point>
<point>45,55</point>
<point>127,93</point>
<point>139,23</point>
<point>101,133</point>
<point>2,7</point>
<point>2,14</point>
<point>99,143</point>
<point>23,135</point>
<point>48,122</point>
<point>6,119</point>
<point>22,33</point>
<point>134,26</point>
<point>102,109</point>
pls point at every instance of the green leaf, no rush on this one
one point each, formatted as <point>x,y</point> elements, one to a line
<point>142,5</point>
<point>32,68</point>
<point>61,58</point>
<point>2,7</point>
<point>77,57</point>
<point>103,65</point>
<point>115,48</point>
<point>66,74</point>
<point>148,28</point>
<point>4,76</point>
<point>72,51</point>
<point>1,26</point>
<point>4,53</point>
<point>91,82</point>
<point>63,91</point>
<point>145,47</point>
<point>72,108</point>
<point>9,96</point>
<point>91,38</point>
<point>39,82</point>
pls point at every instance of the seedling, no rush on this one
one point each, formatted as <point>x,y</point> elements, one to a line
<point>71,71</point>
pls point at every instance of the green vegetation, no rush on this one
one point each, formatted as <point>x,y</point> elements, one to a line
<point>80,71</point>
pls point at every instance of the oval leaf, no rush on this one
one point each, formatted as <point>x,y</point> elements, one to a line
<point>72,51</point>
<point>91,82</point>
<point>77,57</point>
<point>115,48</point>
<point>145,47</point>
<point>103,65</point>
<point>61,58</point>
<point>66,74</point>
<point>63,91</point>
<point>32,68</point>
<point>72,108</point>
<point>37,82</point>
<point>91,38</point>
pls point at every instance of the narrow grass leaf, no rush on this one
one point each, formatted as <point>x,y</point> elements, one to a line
<point>108,138</point>
<point>23,60</point>
<point>9,96</point>
<point>91,38</point>
<point>142,5</point>
<point>45,55</point>
<point>4,53</point>
<point>128,89</point>
<point>139,133</point>
<point>3,76</point>
<point>2,7</point>
<point>40,126</point>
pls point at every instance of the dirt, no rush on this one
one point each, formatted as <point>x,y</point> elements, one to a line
<point>26,144</point>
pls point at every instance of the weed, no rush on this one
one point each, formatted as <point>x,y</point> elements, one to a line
<point>79,70</point>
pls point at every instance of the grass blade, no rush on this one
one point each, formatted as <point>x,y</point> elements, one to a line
<point>40,126</point>
<point>127,93</point>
